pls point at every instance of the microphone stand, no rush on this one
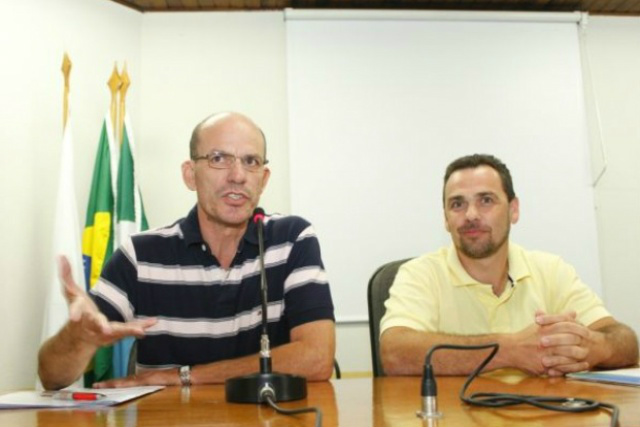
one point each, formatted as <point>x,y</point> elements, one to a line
<point>256,388</point>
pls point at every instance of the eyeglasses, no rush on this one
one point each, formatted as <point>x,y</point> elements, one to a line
<point>222,160</point>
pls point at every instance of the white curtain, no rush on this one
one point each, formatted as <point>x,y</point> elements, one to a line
<point>379,104</point>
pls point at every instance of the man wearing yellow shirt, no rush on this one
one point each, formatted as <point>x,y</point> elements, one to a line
<point>485,289</point>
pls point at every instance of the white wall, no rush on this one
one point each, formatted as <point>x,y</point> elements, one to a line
<point>183,67</point>
<point>613,45</point>
<point>513,89</point>
<point>34,34</point>
<point>195,64</point>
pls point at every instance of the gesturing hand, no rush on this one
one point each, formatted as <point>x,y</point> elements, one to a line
<point>86,322</point>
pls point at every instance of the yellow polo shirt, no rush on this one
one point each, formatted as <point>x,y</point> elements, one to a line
<point>434,293</point>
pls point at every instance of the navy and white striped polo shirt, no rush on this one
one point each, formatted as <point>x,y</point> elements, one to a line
<point>207,313</point>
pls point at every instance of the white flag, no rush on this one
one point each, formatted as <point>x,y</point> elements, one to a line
<point>66,241</point>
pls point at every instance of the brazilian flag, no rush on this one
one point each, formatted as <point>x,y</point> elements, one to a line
<point>97,237</point>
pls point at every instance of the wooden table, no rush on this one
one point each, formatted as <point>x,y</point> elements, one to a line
<point>389,402</point>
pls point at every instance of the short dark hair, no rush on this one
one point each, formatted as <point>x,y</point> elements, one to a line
<point>195,136</point>
<point>475,160</point>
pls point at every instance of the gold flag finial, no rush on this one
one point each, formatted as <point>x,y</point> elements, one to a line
<point>114,84</point>
<point>124,87</point>
<point>66,71</point>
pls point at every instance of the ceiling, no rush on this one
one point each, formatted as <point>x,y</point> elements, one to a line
<point>609,7</point>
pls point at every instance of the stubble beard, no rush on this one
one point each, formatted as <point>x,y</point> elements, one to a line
<point>480,250</point>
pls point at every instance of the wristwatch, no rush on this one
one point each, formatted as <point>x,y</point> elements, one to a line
<point>185,375</point>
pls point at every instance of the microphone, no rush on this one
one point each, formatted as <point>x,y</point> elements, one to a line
<point>265,351</point>
<point>429,411</point>
<point>258,217</point>
<point>265,385</point>
<point>429,394</point>
<point>429,388</point>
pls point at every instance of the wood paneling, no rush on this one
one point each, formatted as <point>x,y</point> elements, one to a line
<point>616,7</point>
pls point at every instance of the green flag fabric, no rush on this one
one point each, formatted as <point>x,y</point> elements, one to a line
<point>130,219</point>
<point>130,216</point>
<point>98,236</point>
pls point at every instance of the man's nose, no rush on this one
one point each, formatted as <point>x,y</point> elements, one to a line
<point>472,212</point>
<point>237,173</point>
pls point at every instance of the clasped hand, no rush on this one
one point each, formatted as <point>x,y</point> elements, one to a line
<point>566,343</point>
<point>555,344</point>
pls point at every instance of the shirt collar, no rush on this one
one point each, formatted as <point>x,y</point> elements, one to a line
<point>191,228</point>
<point>251,233</point>
<point>518,268</point>
<point>193,236</point>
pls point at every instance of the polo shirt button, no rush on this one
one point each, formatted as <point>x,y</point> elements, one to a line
<point>204,247</point>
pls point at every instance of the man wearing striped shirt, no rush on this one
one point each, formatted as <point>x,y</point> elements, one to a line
<point>192,289</point>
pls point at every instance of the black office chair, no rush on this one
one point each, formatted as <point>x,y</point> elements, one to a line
<point>133,356</point>
<point>377,294</point>
<point>336,369</point>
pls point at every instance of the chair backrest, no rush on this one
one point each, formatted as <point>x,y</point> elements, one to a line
<point>377,294</point>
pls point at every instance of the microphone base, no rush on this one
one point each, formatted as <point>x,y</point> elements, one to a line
<point>252,388</point>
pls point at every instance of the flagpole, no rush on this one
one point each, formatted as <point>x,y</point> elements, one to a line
<point>124,87</point>
<point>129,212</point>
<point>66,71</point>
<point>114,84</point>
<point>66,226</point>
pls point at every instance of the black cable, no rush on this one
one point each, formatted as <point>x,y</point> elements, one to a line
<point>269,399</point>
<point>500,400</point>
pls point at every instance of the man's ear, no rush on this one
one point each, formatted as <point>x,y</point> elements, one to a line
<point>514,210</point>
<point>265,178</point>
<point>189,174</point>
